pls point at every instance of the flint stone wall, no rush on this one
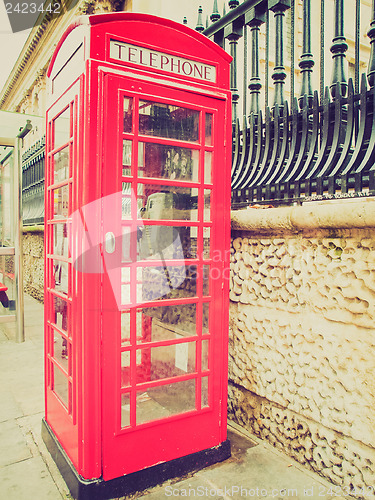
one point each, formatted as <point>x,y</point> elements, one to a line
<point>302,337</point>
<point>33,261</point>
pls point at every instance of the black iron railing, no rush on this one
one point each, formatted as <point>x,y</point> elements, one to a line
<point>33,183</point>
<point>292,143</point>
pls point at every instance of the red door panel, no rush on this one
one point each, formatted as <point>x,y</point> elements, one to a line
<point>164,357</point>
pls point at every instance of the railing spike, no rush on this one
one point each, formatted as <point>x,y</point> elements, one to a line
<point>254,20</point>
<point>232,33</point>
<point>338,49</point>
<point>215,16</point>
<point>307,62</point>
<point>185,21</point>
<point>279,73</point>
<point>371,35</point>
<point>200,27</point>
<point>233,4</point>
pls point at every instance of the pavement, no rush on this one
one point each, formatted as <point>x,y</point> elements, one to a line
<point>27,470</point>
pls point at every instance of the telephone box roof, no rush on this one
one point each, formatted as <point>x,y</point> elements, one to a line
<point>160,33</point>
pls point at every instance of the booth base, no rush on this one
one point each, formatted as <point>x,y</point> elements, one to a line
<point>98,489</point>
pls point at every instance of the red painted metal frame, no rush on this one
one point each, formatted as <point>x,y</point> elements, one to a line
<point>88,429</point>
<point>61,419</point>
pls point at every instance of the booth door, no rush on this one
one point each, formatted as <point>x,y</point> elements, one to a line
<point>164,365</point>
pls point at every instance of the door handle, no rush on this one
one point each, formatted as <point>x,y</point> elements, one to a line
<point>110,242</point>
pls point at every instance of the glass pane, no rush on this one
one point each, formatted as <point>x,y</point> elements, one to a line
<point>206,317</point>
<point>207,167</point>
<point>205,347</point>
<point>168,162</point>
<point>206,242</point>
<point>125,328</point>
<point>167,361</point>
<point>163,401</point>
<point>208,130</point>
<point>60,350</point>
<point>126,157</point>
<point>60,313</point>
<point>125,294</point>
<point>206,280</point>
<point>125,410</point>
<point>60,276</point>
<point>60,385</point>
<point>61,165</point>
<point>125,275</point>
<point>204,394</point>
<point>207,205</point>
<point>7,198</point>
<point>60,239</point>
<point>128,114</point>
<point>126,244</point>
<point>126,200</point>
<point>125,368</point>
<point>169,203</point>
<point>167,282</point>
<point>167,242</point>
<point>166,120</point>
<point>167,322</point>
<point>62,129</point>
<point>61,202</point>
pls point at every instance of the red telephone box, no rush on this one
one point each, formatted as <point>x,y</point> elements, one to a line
<point>137,233</point>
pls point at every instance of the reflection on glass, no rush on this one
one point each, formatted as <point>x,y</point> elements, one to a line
<point>207,167</point>
<point>60,239</point>
<point>205,346</point>
<point>61,165</point>
<point>60,350</point>
<point>61,202</point>
<point>166,242</point>
<point>60,318</point>
<point>206,318</point>
<point>167,120</point>
<point>206,280</point>
<point>62,129</point>
<point>208,130</point>
<point>168,162</point>
<point>162,401</point>
<point>125,368</point>
<point>60,385</point>
<point>125,410</point>
<point>206,242</point>
<point>167,322</point>
<point>207,205</point>
<point>126,200</point>
<point>169,202</point>
<point>204,393</point>
<point>167,361</point>
<point>126,157</point>
<point>60,275</point>
<point>128,114</point>
<point>167,282</point>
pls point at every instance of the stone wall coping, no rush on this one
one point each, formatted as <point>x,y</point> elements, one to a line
<point>33,229</point>
<point>337,214</point>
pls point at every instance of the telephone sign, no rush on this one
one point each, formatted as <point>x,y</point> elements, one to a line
<point>159,60</point>
<point>137,233</point>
